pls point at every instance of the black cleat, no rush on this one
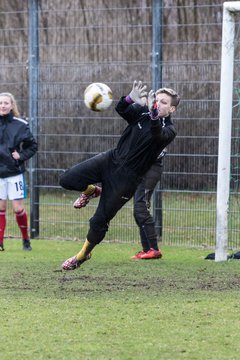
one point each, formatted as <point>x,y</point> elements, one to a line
<point>26,245</point>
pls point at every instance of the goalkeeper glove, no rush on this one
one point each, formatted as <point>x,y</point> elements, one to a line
<point>152,104</point>
<point>138,93</point>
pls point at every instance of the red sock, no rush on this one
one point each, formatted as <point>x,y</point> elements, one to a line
<point>21,218</point>
<point>2,225</point>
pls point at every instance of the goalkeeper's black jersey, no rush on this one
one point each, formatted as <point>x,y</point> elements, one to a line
<point>143,139</point>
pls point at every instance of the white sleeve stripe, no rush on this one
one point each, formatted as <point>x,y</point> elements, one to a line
<point>20,119</point>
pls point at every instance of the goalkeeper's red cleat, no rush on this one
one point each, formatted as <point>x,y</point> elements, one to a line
<point>72,263</point>
<point>152,254</point>
<point>84,199</point>
<point>138,256</point>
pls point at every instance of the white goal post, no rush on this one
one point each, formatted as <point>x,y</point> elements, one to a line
<point>225,122</point>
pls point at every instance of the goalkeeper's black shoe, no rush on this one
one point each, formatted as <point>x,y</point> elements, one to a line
<point>1,247</point>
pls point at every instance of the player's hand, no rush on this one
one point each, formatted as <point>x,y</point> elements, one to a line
<point>138,93</point>
<point>151,101</point>
<point>15,155</point>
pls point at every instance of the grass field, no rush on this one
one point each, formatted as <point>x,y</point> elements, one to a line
<point>178,307</point>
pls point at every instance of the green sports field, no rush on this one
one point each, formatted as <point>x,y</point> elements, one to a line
<point>178,307</point>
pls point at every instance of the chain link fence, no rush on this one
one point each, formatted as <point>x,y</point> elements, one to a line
<point>81,42</point>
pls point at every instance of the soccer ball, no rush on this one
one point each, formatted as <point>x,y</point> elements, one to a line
<point>98,97</point>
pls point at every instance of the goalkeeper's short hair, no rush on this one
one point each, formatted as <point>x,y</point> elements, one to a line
<point>174,95</point>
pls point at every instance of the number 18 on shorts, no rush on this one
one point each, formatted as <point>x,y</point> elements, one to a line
<point>13,187</point>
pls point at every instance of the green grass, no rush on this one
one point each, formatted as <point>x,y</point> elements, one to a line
<point>178,307</point>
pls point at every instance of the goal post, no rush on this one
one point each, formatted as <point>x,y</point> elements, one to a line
<point>225,126</point>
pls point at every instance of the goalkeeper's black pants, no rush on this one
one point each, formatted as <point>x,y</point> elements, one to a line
<point>118,186</point>
<point>142,206</point>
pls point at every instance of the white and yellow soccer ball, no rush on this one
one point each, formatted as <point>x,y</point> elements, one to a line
<point>98,97</point>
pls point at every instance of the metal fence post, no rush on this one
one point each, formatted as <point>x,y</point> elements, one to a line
<point>157,22</point>
<point>33,63</point>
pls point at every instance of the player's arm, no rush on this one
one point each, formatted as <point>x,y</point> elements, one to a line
<point>28,146</point>
<point>163,134</point>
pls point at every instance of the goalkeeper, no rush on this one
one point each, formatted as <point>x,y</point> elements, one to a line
<point>120,170</point>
